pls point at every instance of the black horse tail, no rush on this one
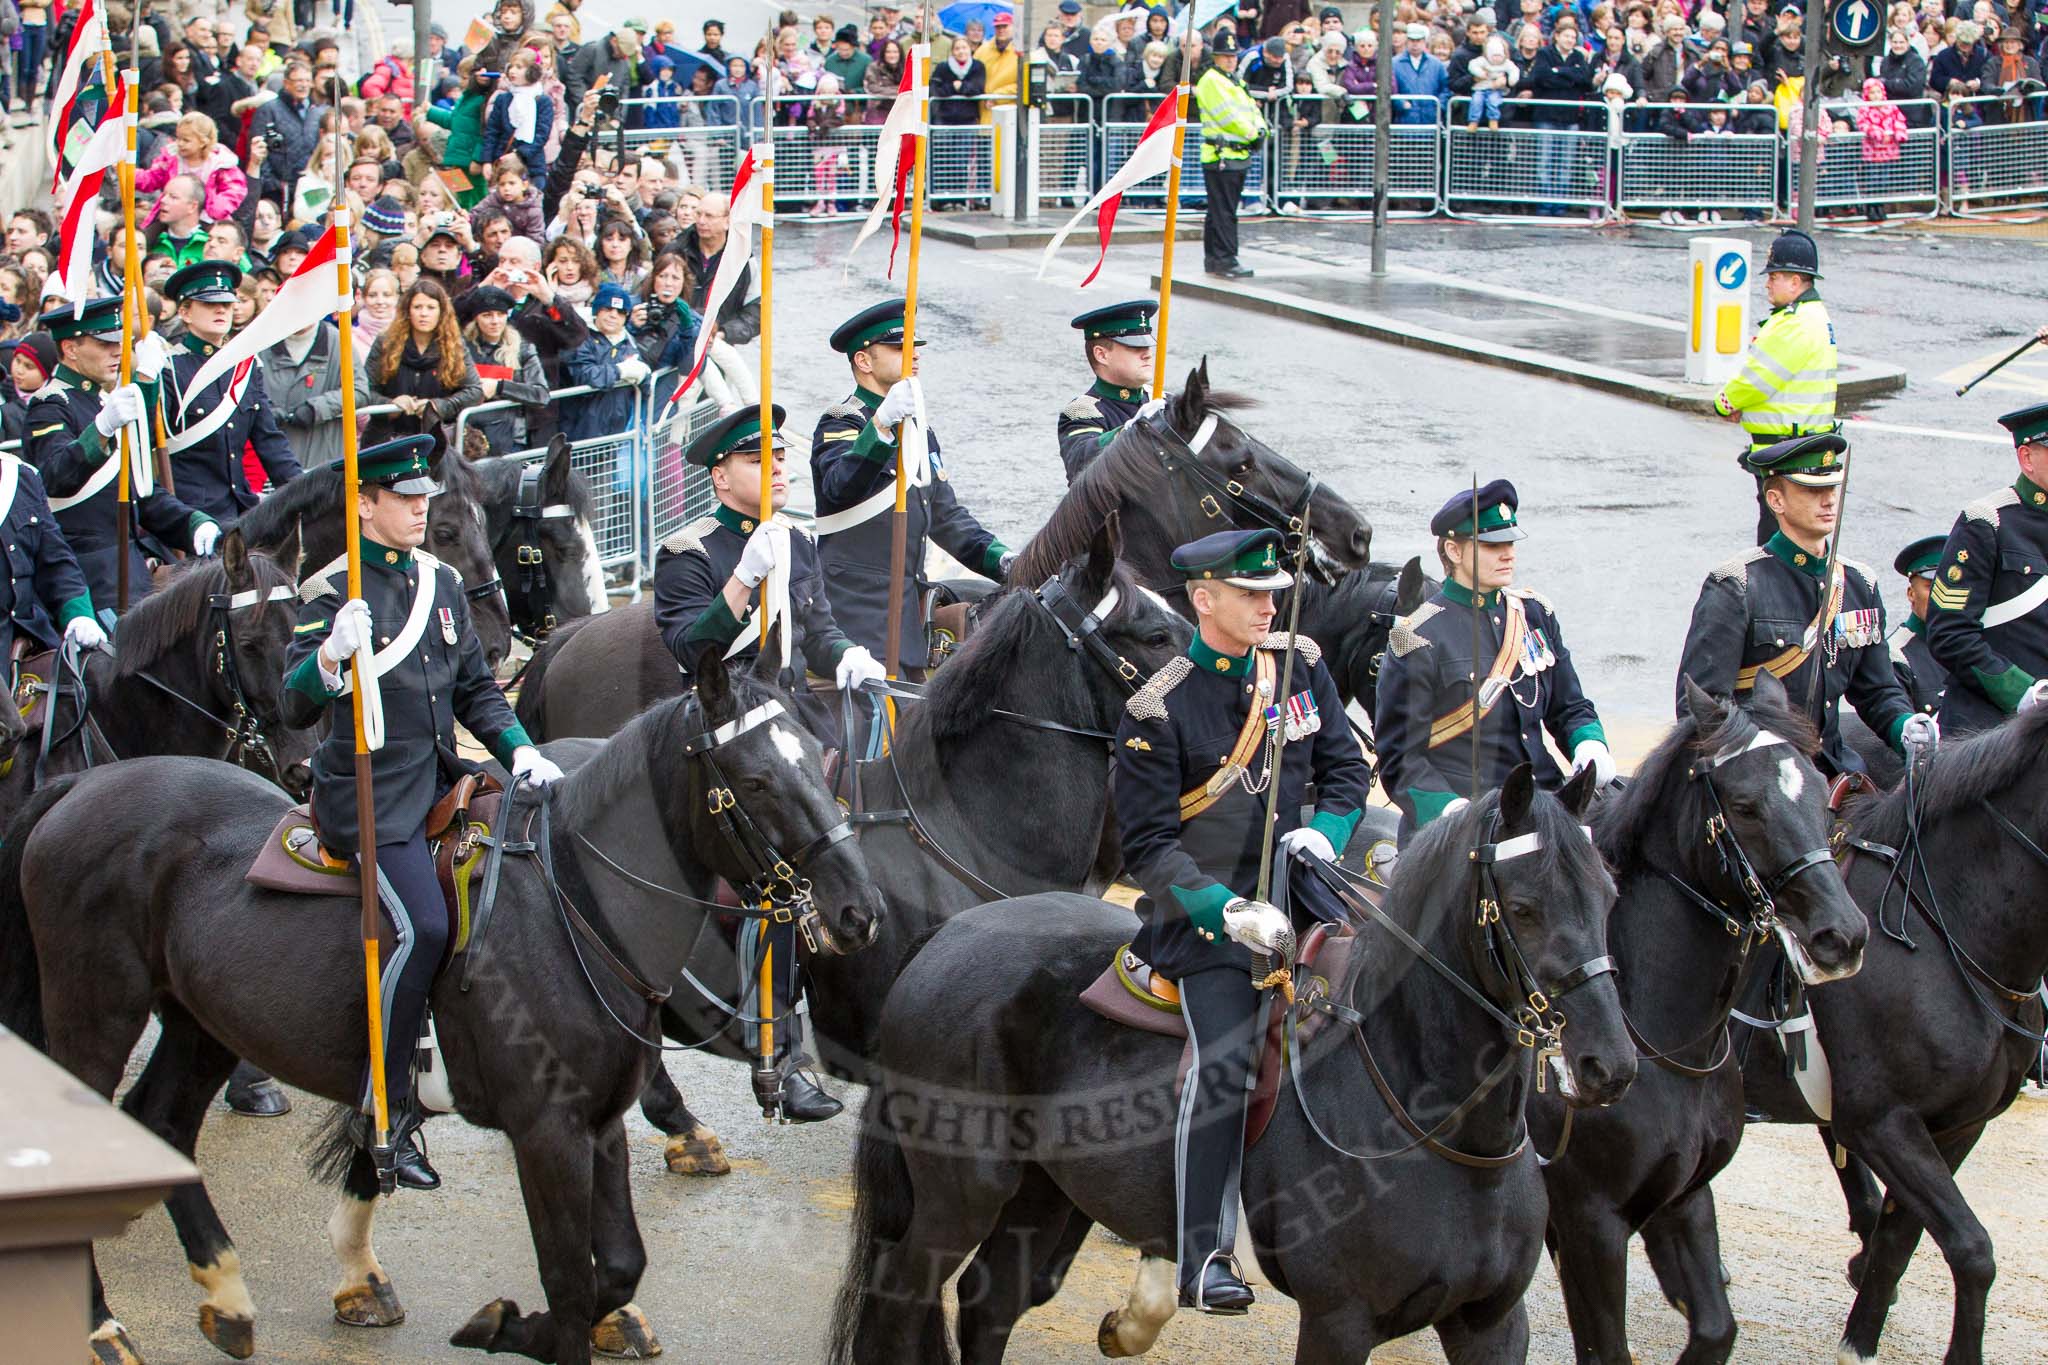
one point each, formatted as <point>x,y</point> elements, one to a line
<point>21,980</point>
<point>531,706</point>
<point>331,1148</point>
<point>882,1206</point>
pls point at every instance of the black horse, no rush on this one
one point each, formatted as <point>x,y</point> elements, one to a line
<point>197,668</point>
<point>310,507</point>
<point>1003,771</point>
<point>538,517</point>
<point>1931,1040</point>
<point>1065,1119</point>
<point>122,889</point>
<point>1719,846</point>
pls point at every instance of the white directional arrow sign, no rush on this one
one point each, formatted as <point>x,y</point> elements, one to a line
<point>1855,22</point>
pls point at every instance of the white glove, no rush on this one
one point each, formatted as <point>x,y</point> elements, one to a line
<point>2034,696</point>
<point>1453,808</point>
<point>900,402</point>
<point>633,370</point>
<point>205,536</point>
<point>1259,927</point>
<point>1921,731</point>
<point>766,548</point>
<point>531,766</point>
<point>151,355</point>
<point>85,633</point>
<point>856,668</point>
<point>1152,407</point>
<point>1308,839</point>
<point>349,633</point>
<point>1595,755</point>
<point>122,406</point>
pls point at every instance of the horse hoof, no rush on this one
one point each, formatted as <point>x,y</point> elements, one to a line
<point>264,1099</point>
<point>232,1337</point>
<point>1106,1335</point>
<point>697,1152</point>
<point>482,1330</point>
<point>111,1345</point>
<point>374,1304</point>
<point>625,1334</point>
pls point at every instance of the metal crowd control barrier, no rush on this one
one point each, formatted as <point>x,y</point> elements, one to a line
<point>831,169</point>
<point>679,492</point>
<point>708,141</point>
<point>1856,171</point>
<point>1997,152</point>
<point>1333,159</point>
<point>1066,150</point>
<point>1550,155</point>
<point>1702,170</point>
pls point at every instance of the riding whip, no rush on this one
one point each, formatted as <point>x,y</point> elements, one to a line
<point>2011,356</point>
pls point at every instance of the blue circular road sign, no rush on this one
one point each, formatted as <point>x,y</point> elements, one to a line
<point>1856,23</point>
<point>1732,269</point>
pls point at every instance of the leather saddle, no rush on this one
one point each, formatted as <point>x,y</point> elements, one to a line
<point>1129,993</point>
<point>34,674</point>
<point>294,861</point>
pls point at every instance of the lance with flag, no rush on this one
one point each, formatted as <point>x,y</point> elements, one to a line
<point>894,158</point>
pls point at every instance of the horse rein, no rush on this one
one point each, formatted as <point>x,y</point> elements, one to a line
<point>1535,1024</point>
<point>1182,456</point>
<point>1758,892</point>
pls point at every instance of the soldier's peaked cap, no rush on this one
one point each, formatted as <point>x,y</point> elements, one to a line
<point>1922,557</point>
<point>1243,559</point>
<point>2027,425</point>
<point>878,324</point>
<point>401,466</point>
<point>1489,517</point>
<point>740,432</point>
<point>100,316</point>
<point>1129,322</point>
<point>1818,461</point>
<point>205,282</point>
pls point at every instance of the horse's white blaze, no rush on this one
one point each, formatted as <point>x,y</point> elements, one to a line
<point>788,745</point>
<point>1790,780</point>
<point>226,1292</point>
<point>348,1232</point>
<point>1151,1304</point>
<point>593,571</point>
<point>1157,600</point>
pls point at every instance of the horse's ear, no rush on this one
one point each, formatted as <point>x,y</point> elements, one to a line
<point>291,550</point>
<point>1411,588</point>
<point>1100,570</point>
<point>1517,794</point>
<point>768,662</point>
<point>1769,693</point>
<point>234,558</point>
<point>1578,793</point>
<point>1707,710</point>
<point>555,475</point>
<point>714,688</point>
<point>1187,406</point>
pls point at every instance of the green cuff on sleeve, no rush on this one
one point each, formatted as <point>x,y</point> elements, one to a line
<point>1102,441</point>
<point>1895,733</point>
<point>2005,688</point>
<point>504,744</point>
<point>1590,730</point>
<point>78,606</point>
<point>1428,805</point>
<point>306,678</point>
<point>992,561</point>
<point>1204,907</point>
<point>871,446</point>
<point>92,443</point>
<point>714,625</point>
<point>199,519</point>
<point>1334,827</point>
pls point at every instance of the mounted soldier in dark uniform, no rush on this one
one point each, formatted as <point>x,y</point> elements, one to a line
<point>707,595</point>
<point>1423,719</point>
<point>1117,341</point>
<point>1194,762</point>
<point>74,425</point>
<point>412,628</point>
<point>1774,609</point>
<point>853,473</point>
<point>1987,623</point>
<point>47,602</point>
<point>209,432</point>
<point>1923,678</point>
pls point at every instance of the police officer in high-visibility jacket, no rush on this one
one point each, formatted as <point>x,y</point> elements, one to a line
<point>1231,129</point>
<point>1787,385</point>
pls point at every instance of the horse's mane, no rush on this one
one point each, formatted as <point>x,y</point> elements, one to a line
<point>313,496</point>
<point>1623,822</point>
<point>1960,773</point>
<point>1126,470</point>
<point>1011,631</point>
<point>619,767</point>
<point>175,612</point>
<point>505,469</point>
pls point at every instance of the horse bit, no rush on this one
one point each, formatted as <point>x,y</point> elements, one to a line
<point>1292,525</point>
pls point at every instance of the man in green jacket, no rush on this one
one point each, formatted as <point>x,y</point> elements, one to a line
<point>1231,128</point>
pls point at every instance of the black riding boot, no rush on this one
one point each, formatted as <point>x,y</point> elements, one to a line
<point>1221,1009</point>
<point>789,1091</point>
<point>411,895</point>
<point>253,1093</point>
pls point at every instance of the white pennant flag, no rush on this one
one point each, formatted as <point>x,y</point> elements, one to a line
<point>312,293</point>
<point>1152,156</point>
<point>892,167</point>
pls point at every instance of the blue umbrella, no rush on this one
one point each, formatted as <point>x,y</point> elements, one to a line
<point>686,63</point>
<point>954,18</point>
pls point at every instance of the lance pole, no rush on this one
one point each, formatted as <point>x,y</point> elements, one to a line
<point>131,317</point>
<point>1180,142</point>
<point>765,170</point>
<point>899,524</point>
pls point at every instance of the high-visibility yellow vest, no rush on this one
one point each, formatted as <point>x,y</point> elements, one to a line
<point>1231,121</point>
<point>1787,384</point>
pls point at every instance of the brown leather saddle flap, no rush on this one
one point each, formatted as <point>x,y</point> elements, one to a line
<point>1323,956</point>
<point>38,667</point>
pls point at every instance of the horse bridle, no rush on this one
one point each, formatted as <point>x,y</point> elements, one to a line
<point>535,585</point>
<point>1082,628</point>
<point>1535,1023</point>
<point>1178,455</point>
<point>243,727</point>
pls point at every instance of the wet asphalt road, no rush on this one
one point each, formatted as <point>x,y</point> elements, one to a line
<point>1628,507</point>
